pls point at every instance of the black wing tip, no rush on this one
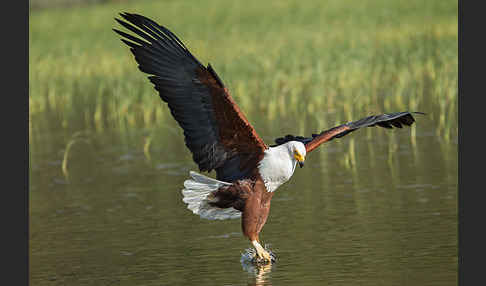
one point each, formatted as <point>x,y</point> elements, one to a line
<point>140,24</point>
<point>386,120</point>
<point>118,31</point>
<point>418,112</point>
<point>367,121</point>
<point>132,18</point>
<point>396,121</point>
<point>127,15</point>
<point>124,15</point>
<point>135,18</point>
<point>404,113</point>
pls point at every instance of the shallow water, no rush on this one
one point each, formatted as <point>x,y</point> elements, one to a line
<point>377,207</point>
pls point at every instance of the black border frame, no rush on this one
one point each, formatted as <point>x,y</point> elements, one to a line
<point>15,51</point>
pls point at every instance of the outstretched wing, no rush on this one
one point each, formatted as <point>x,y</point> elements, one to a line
<point>388,120</point>
<point>216,131</point>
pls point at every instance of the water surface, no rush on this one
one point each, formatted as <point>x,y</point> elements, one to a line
<point>377,207</point>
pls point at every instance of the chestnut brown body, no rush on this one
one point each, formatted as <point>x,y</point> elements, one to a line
<point>249,196</point>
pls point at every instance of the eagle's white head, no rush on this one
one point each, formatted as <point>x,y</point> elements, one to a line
<point>297,152</point>
<point>279,162</point>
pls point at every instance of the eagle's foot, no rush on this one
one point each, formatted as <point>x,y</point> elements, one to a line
<point>262,256</point>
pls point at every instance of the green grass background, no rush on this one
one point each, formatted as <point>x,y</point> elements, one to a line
<point>335,60</point>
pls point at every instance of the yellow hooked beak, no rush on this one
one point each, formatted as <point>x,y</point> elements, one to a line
<point>300,159</point>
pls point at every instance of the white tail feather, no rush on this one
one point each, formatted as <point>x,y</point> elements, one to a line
<point>196,191</point>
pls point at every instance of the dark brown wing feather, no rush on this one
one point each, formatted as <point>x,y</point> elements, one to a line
<point>388,120</point>
<point>215,130</point>
<point>235,131</point>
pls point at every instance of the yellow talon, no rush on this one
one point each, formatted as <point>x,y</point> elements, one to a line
<point>261,254</point>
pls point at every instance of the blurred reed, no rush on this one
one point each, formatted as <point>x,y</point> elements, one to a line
<point>330,61</point>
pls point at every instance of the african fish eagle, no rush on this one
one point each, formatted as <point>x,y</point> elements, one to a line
<point>220,137</point>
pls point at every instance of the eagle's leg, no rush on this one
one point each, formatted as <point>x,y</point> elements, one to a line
<point>254,216</point>
<point>262,254</point>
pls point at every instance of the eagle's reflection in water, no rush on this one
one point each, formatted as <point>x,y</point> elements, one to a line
<point>260,274</point>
